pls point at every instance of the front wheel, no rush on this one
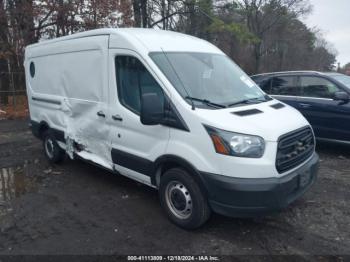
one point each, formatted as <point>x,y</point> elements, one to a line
<point>183,200</point>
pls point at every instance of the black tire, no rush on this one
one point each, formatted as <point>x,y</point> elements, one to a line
<point>53,152</point>
<point>173,197</point>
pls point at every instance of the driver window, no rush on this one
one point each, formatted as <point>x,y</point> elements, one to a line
<point>133,79</point>
<point>317,87</point>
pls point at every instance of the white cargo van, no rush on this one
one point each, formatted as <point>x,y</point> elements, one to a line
<point>173,112</point>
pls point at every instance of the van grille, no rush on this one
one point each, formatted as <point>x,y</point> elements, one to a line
<point>294,148</point>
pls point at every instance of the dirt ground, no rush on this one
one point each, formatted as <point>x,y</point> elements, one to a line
<point>77,208</point>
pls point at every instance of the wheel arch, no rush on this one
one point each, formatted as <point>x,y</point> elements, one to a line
<point>38,128</point>
<point>43,127</point>
<point>166,162</point>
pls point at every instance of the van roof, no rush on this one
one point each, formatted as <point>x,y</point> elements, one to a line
<point>152,39</point>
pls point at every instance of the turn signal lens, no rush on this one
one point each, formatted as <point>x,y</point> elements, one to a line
<point>219,145</point>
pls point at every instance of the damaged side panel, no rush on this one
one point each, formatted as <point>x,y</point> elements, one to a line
<point>69,91</point>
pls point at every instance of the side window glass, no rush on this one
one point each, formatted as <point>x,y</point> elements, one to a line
<point>32,69</point>
<point>317,87</point>
<point>133,79</point>
<point>265,85</point>
<point>284,85</point>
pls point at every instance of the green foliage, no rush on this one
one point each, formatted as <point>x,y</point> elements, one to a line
<point>238,30</point>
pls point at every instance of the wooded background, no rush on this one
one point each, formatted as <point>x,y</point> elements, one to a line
<point>260,35</point>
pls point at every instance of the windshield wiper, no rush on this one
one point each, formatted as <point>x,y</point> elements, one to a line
<point>205,101</point>
<point>251,101</point>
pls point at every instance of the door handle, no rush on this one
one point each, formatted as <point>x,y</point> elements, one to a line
<point>101,114</point>
<point>304,105</point>
<point>117,118</point>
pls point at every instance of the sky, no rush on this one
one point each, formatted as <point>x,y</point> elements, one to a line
<point>332,17</point>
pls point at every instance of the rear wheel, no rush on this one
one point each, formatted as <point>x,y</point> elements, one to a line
<point>53,152</point>
<point>182,199</point>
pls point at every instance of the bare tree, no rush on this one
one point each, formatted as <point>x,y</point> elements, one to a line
<point>141,15</point>
<point>261,35</point>
<point>261,16</point>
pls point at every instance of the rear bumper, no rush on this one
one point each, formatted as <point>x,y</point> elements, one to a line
<point>247,197</point>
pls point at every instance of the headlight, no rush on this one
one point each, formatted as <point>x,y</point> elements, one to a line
<point>235,144</point>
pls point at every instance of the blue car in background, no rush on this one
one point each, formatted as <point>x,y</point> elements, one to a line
<point>323,98</point>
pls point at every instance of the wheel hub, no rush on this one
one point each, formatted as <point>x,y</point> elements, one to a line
<point>179,200</point>
<point>49,147</point>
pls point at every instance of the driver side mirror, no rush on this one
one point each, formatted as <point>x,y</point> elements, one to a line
<point>152,109</point>
<point>341,96</point>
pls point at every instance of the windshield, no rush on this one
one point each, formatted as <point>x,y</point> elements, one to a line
<point>344,79</point>
<point>208,79</point>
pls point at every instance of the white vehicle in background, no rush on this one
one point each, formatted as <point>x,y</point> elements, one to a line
<point>173,112</point>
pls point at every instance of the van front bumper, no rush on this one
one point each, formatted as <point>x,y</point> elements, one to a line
<point>248,197</point>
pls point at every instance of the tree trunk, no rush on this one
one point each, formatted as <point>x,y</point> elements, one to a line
<point>144,14</point>
<point>60,19</point>
<point>257,57</point>
<point>192,17</point>
<point>26,22</point>
<point>163,11</point>
<point>4,34</point>
<point>4,82</point>
<point>137,12</point>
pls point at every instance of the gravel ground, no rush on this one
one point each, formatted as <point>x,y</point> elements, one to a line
<point>76,208</point>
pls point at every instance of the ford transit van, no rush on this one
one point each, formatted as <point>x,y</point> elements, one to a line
<point>173,112</point>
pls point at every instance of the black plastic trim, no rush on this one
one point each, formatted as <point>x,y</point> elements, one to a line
<point>133,162</point>
<point>150,168</point>
<point>181,162</point>
<point>247,197</point>
<point>301,156</point>
<point>247,112</point>
<point>46,100</point>
<point>277,106</point>
<point>172,116</point>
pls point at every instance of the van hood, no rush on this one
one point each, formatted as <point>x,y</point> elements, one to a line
<point>263,119</point>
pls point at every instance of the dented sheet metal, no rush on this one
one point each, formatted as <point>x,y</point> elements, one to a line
<point>78,80</point>
<point>86,132</point>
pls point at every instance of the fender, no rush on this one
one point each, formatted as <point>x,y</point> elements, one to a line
<point>165,162</point>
